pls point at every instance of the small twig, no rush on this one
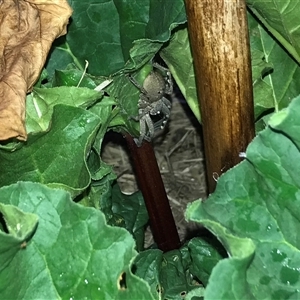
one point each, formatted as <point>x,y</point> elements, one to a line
<point>173,200</point>
<point>83,73</point>
<point>191,160</point>
<point>169,153</point>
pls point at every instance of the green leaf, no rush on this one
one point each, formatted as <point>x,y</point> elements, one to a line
<point>60,56</point>
<point>178,57</point>
<point>204,257</point>
<point>73,254</point>
<point>281,19</point>
<point>132,208</point>
<point>19,224</point>
<point>57,157</point>
<point>169,274</point>
<point>281,83</point>
<point>231,273</point>
<point>21,227</point>
<point>286,121</point>
<point>99,195</point>
<point>174,276</point>
<point>40,103</point>
<point>147,265</point>
<point>104,33</point>
<point>255,210</point>
<point>110,117</point>
<point>127,96</point>
<point>73,77</point>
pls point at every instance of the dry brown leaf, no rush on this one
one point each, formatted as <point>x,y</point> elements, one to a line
<point>27,30</point>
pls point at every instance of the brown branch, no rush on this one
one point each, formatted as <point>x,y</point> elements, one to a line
<point>220,45</point>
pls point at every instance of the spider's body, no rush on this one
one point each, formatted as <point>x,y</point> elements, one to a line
<point>153,102</point>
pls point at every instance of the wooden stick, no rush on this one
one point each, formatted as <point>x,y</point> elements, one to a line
<point>220,45</point>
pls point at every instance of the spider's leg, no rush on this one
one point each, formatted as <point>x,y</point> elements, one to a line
<point>159,67</point>
<point>165,109</point>
<point>135,118</point>
<point>143,132</point>
<point>166,115</point>
<point>151,129</point>
<point>166,102</point>
<point>136,84</point>
<point>143,103</point>
<point>138,142</point>
<point>161,107</point>
<point>169,86</point>
<point>156,108</point>
<point>160,124</point>
<point>143,108</point>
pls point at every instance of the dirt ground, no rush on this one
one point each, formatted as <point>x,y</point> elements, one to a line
<point>179,155</point>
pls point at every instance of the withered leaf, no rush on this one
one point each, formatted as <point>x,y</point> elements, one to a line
<point>27,30</point>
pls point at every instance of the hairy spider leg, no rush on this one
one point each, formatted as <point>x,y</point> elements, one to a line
<point>162,107</point>
<point>150,126</point>
<point>145,122</point>
<point>137,85</point>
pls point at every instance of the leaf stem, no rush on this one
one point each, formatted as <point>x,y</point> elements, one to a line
<point>150,182</point>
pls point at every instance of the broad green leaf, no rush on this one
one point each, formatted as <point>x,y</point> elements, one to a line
<point>104,33</point>
<point>127,96</point>
<point>281,18</point>
<point>99,195</point>
<point>109,114</point>
<point>168,274</point>
<point>141,52</point>
<point>73,77</point>
<point>204,257</point>
<point>20,229</point>
<point>178,57</point>
<point>20,225</point>
<point>60,56</point>
<point>286,122</point>
<point>40,103</point>
<point>263,93</point>
<point>231,273</point>
<point>73,254</point>
<point>282,84</point>
<point>147,265</point>
<point>174,276</point>
<point>132,208</point>
<point>43,77</point>
<point>255,210</point>
<point>57,157</point>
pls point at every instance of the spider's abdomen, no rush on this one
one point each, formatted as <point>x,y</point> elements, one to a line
<point>155,86</point>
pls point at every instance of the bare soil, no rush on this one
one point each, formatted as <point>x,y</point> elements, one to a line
<point>179,154</point>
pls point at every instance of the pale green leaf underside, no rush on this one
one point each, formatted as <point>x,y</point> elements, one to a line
<point>259,201</point>
<point>73,253</point>
<point>282,19</point>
